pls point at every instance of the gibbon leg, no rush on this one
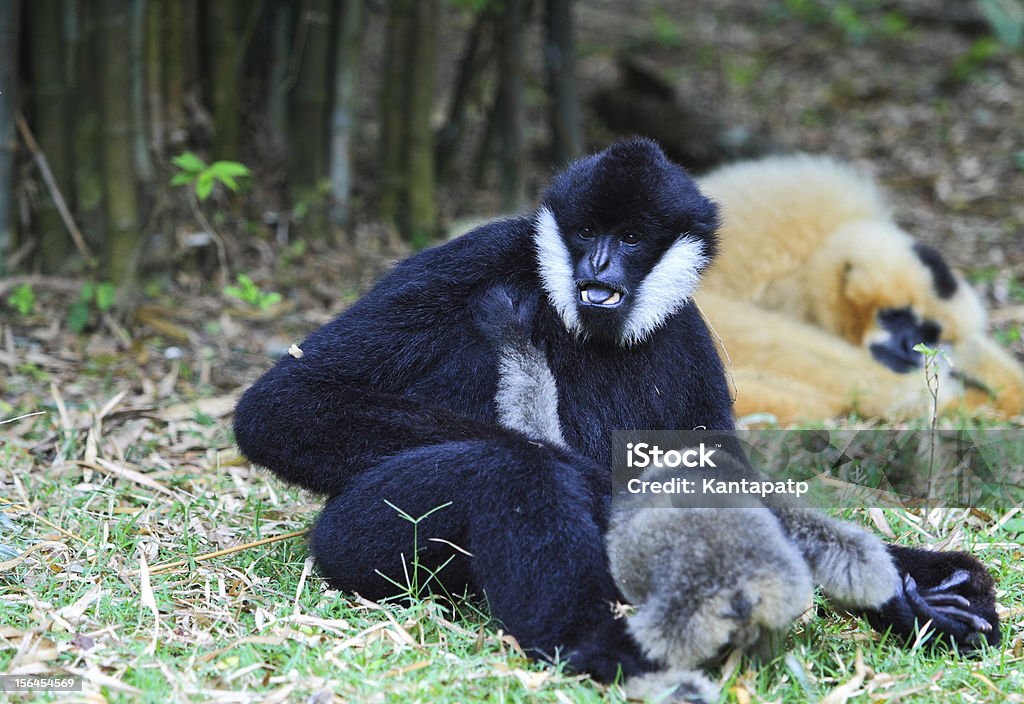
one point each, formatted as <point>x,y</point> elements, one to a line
<point>529,518</point>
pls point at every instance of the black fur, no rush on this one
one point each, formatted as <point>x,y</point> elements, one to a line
<point>394,401</point>
<point>951,589</point>
<point>905,332</point>
<point>631,186</point>
<point>503,320</point>
<point>943,279</point>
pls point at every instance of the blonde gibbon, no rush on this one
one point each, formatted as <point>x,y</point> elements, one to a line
<point>819,299</point>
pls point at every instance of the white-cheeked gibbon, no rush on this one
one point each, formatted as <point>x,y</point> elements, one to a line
<point>819,299</point>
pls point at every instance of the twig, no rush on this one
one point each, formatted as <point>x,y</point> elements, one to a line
<point>51,186</point>
<point>218,241</point>
<point>22,507</point>
<point>22,417</point>
<point>125,472</point>
<point>14,562</point>
<point>733,389</point>
<point>226,551</point>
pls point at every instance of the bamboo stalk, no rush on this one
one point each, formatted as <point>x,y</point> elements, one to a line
<point>137,89</point>
<point>9,19</point>
<point>308,164</point>
<point>420,196</point>
<point>223,38</point>
<point>86,147</point>
<point>559,60</point>
<point>119,178</point>
<point>392,180</point>
<point>343,117</point>
<point>49,43</point>
<point>51,186</point>
<point>511,107</point>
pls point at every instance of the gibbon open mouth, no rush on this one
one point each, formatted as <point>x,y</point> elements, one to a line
<point>600,294</point>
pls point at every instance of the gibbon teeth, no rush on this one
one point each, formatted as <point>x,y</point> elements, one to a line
<point>610,301</point>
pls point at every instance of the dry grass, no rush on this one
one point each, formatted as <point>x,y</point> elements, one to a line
<point>139,551</point>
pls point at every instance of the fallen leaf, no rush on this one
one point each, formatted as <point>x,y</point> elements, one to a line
<point>214,407</point>
<point>73,612</point>
<point>851,688</point>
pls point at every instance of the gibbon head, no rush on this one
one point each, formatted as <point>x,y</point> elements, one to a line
<point>622,238</point>
<point>892,293</point>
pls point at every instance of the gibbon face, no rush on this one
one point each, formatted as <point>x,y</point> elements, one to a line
<point>814,240</point>
<point>622,238</point>
<point>892,293</point>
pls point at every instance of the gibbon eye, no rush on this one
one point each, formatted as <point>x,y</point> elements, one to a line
<point>631,238</point>
<point>586,233</point>
<point>896,316</point>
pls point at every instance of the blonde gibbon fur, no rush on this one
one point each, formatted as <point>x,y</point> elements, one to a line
<point>809,255</point>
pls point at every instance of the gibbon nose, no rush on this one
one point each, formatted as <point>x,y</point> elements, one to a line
<point>600,258</point>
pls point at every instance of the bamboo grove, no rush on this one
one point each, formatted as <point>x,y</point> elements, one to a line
<point>337,106</point>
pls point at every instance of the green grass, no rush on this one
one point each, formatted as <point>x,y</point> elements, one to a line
<point>254,622</point>
<point>258,622</point>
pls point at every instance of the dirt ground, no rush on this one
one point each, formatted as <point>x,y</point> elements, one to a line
<point>902,96</point>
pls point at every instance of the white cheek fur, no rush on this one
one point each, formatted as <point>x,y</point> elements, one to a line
<point>666,289</point>
<point>555,266</point>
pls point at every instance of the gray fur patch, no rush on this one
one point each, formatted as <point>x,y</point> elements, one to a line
<point>703,579</point>
<point>850,564</point>
<point>527,397</point>
<point>672,686</point>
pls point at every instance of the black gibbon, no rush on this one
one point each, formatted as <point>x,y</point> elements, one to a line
<point>704,580</point>
<point>819,298</point>
<point>407,400</point>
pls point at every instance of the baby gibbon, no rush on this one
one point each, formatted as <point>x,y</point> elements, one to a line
<point>819,299</point>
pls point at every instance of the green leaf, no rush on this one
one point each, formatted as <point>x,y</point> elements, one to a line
<point>78,316</point>
<point>233,291</point>
<point>204,186</point>
<point>23,299</point>
<point>228,181</point>
<point>188,161</point>
<point>183,178</point>
<point>88,291</point>
<point>268,300</point>
<point>230,168</point>
<point>1014,525</point>
<point>106,293</point>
